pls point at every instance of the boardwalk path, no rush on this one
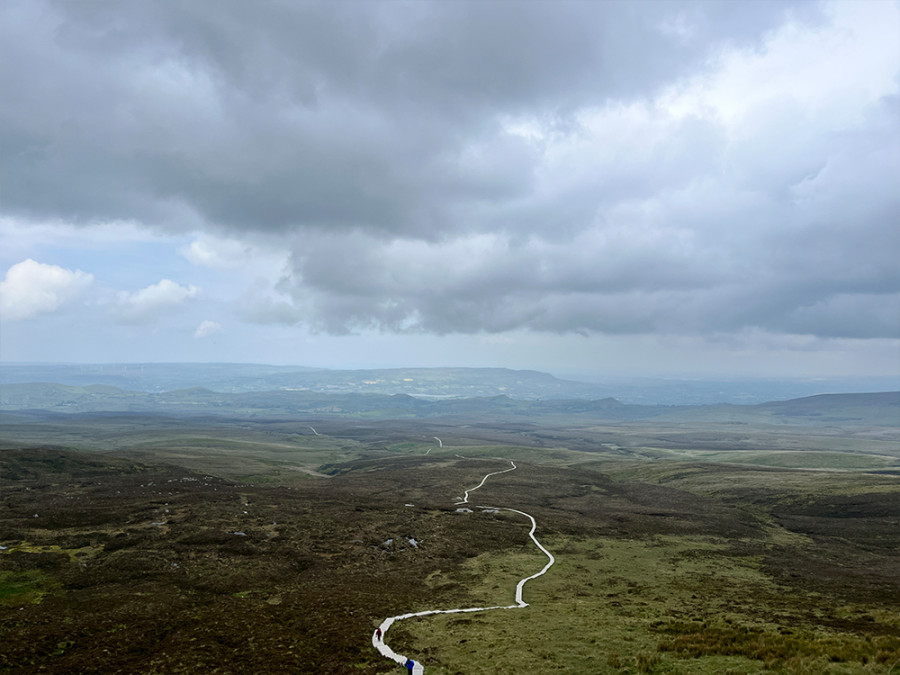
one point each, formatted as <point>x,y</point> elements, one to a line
<point>387,623</point>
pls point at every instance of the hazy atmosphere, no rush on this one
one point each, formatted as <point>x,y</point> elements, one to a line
<point>641,187</point>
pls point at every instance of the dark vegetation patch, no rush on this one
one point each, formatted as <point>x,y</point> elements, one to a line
<point>854,549</point>
<point>870,520</point>
<point>857,551</point>
<point>838,570</point>
<point>48,463</point>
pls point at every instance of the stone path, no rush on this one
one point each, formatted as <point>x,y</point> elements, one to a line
<point>419,669</point>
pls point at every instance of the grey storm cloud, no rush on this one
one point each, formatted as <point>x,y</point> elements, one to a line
<point>466,166</point>
<point>272,115</point>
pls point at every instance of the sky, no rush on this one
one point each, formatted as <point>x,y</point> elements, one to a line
<point>686,187</point>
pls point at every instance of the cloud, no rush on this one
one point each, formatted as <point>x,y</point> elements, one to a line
<point>251,258</point>
<point>207,328</point>
<point>310,115</point>
<point>32,288</point>
<point>151,303</point>
<point>680,168</point>
<point>216,253</point>
<point>701,209</point>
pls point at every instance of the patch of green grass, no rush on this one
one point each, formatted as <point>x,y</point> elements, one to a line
<point>73,553</point>
<point>411,447</point>
<point>612,605</point>
<point>25,587</point>
<point>522,453</point>
<point>703,479</point>
<point>249,457</point>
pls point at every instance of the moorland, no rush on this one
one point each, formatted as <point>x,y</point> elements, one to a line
<point>198,531</point>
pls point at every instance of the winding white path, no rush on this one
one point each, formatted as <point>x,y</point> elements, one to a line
<point>466,497</point>
<point>418,668</point>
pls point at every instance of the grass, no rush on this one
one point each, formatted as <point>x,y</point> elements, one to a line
<point>552,456</point>
<point>809,649</point>
<point>700,478</point>
<point>670,604</point>
<point>23,587</point>
<point>259,454</point>
<point>840,461</point>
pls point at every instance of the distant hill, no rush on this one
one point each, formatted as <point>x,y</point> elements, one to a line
<point>429,383</point>
<point>841,408</point>
<point>880,409</point>
<point>238,378</point>
<point>146,376</point>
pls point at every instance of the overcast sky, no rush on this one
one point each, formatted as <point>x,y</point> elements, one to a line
<point>671,187</point>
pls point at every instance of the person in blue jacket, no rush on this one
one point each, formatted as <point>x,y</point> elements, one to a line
<point>409,664</point>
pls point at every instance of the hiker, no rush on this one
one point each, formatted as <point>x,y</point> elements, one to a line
<point>378,633</point>
<point>409,664</point>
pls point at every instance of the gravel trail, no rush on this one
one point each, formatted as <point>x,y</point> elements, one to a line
<point>418,669</point>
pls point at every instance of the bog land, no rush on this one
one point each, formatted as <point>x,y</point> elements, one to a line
<point>197,531</point>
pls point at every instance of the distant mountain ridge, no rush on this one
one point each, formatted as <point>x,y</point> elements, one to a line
<point>144,376</point>
<point>873,409</point>
<point>236,378</point>
<point>429,383</point>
